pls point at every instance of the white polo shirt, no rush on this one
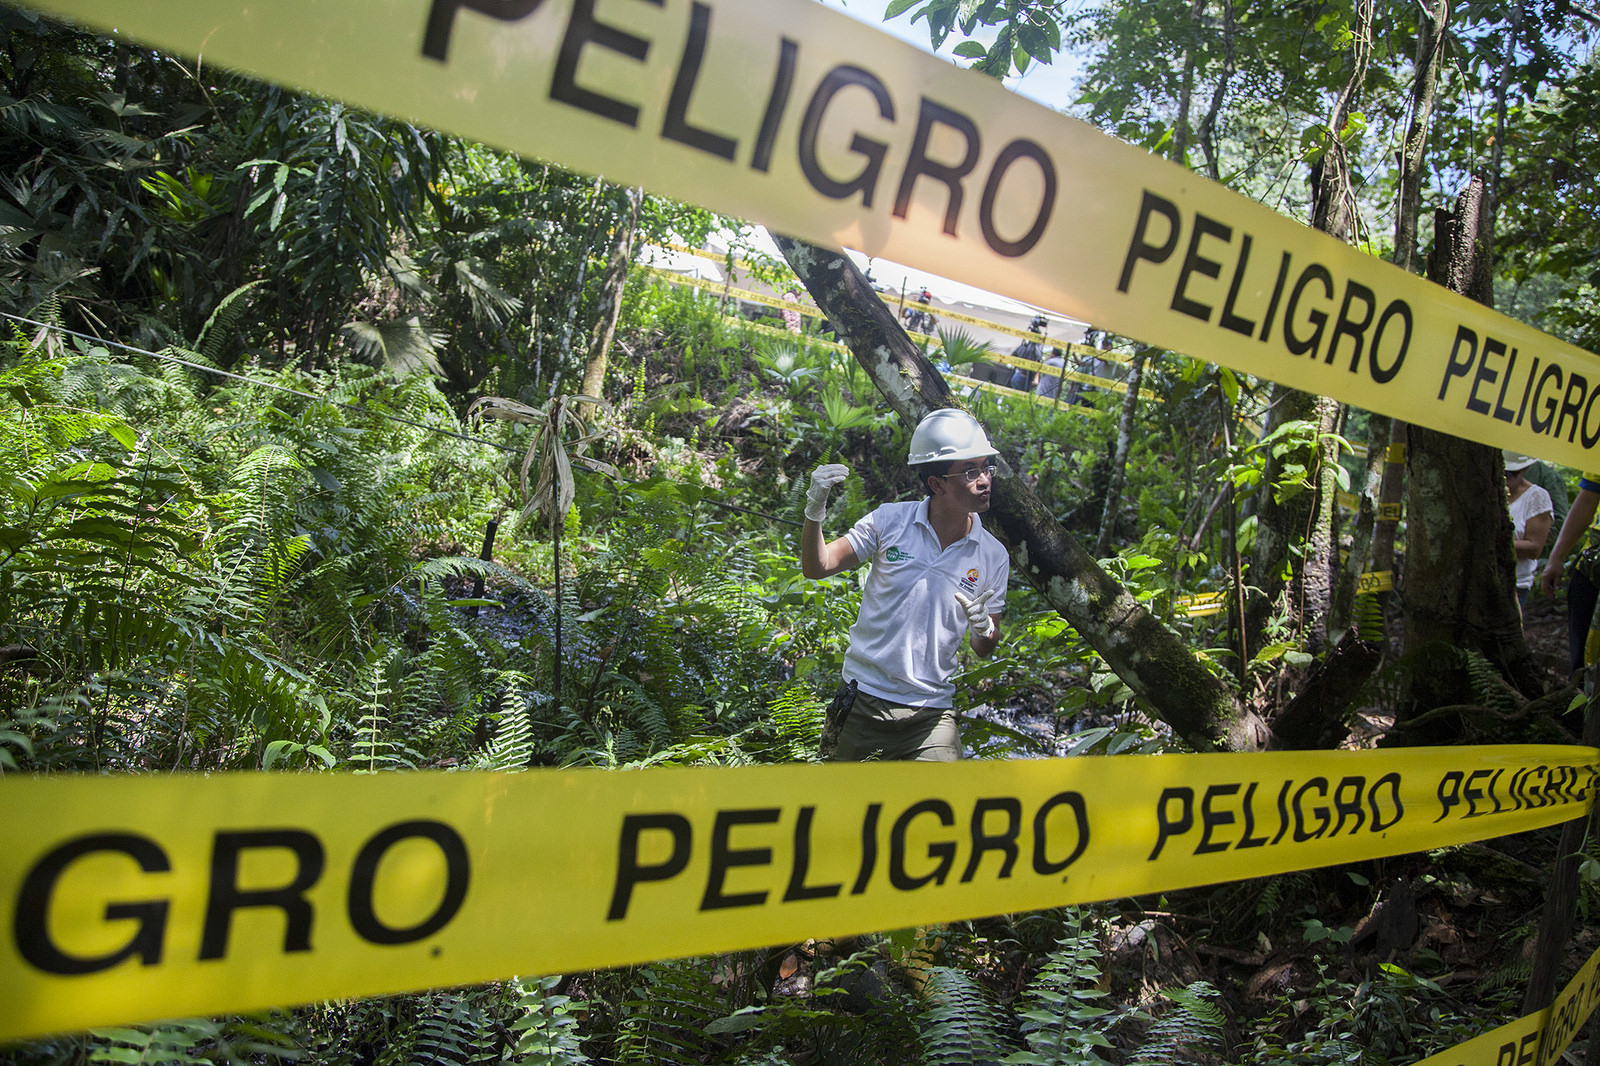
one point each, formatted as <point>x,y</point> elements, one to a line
<point>904,643</point>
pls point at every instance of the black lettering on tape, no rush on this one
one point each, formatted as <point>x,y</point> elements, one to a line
<point>949,174</point>
<point>1544,407</point>
<point>1347,804</point>
<point>1317,317</point>
<point>1229,319</point>
<point>724,857</point>
<point>777,104</point>
<point>1213,819</point>
<point>1590,437</point>
<point>30,925</point>
<point>1277,294</point>
<point>1004,841</point>
<point>1455,366</point>
<point>364,874</point>
<point>944,851</point>
<point>1246,840</point>
<point>1572,404</point>
<point>442,20</point>
<point>1527,390</point>
<point>1167,826</point>
<point>1449,793</point>
<point>675,126</point>
<point>866,180</point>
<point>1140,247</point>
<point>1473,794</point>
<point>1301,834</point>
<point>798,889</point>
<point>1378,825</point>
<point>1501,411</point>
<point>1385,374</point>
<point>629,870</point>
<point>1486,373</point>
<point>1354,328</point>
<point>869,849</point>
<point>582,30</point>
<point>226,896</point>
<point>1195,263</point>
<point>1042,863</point>
<point>1021,148</point>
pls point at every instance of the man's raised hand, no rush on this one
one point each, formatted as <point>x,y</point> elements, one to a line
<point>823,479</point>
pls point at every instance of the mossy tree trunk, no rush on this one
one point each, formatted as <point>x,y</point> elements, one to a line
<point>1169,680</point>
<point>1459,589</point>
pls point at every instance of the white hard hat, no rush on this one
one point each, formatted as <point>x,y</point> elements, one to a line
<point>948,434</point>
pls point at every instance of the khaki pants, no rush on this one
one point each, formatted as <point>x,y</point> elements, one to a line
<point>878,729</point>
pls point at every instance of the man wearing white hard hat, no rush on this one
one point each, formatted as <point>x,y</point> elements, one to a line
<point>937,576</point>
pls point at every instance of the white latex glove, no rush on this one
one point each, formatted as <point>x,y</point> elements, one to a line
<point>978,612</point>
<point>823,479</point>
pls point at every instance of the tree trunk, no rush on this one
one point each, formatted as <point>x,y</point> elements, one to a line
<point>1386,434</point>
<point>1164,674</point>
<point>605,327</point>
<point>1309,514</point>
<point>1119,460</point>
<point>1460,582</point>
<point>1302,517</point>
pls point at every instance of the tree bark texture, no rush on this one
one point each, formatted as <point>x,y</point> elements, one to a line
<point>605,327</point>
<point>1294,538</point>
<point>1460,580</point>
<point>1169,680</point>
<point>1119,460</point>
<point>1306,518</point>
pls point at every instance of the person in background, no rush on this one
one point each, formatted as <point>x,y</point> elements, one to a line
<point>791,315</point>
<point>919,319</point>
<point>1530,520</point>
<point>1049,385</point>
<point>1581,588</point>
<point>937,576</point>
<point>1553,480</point>
<point>1021,377</point>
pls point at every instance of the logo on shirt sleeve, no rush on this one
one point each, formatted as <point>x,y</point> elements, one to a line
<point>895,555</point>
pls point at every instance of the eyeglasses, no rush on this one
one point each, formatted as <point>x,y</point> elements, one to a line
<point>974,474</point>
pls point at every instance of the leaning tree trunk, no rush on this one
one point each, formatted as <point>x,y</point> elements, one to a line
<point>605,327</point>
<point>1167,677</point>
<point>1459,590</point>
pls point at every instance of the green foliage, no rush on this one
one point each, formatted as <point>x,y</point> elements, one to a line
<point>1189,1031</point>
<point>960,1025</point>
<point>1062,1019</point>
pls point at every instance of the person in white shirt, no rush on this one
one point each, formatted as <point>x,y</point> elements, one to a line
<point>1531,515</point>
<point>937,575</point>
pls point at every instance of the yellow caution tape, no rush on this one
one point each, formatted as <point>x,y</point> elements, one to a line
<point>1387,512</point>
<point>1535,1039</point>
<point>1083,350</point>
<point>132,898</point>
<point>1201,604</point>
<point>802,118</point>
<point>1109,384</point>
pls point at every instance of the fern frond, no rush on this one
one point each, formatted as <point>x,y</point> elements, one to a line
<point>960,1024</point>
<point>1189,1033</point>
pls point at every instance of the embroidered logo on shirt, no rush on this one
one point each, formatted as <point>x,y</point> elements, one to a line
<point>895,555</point>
